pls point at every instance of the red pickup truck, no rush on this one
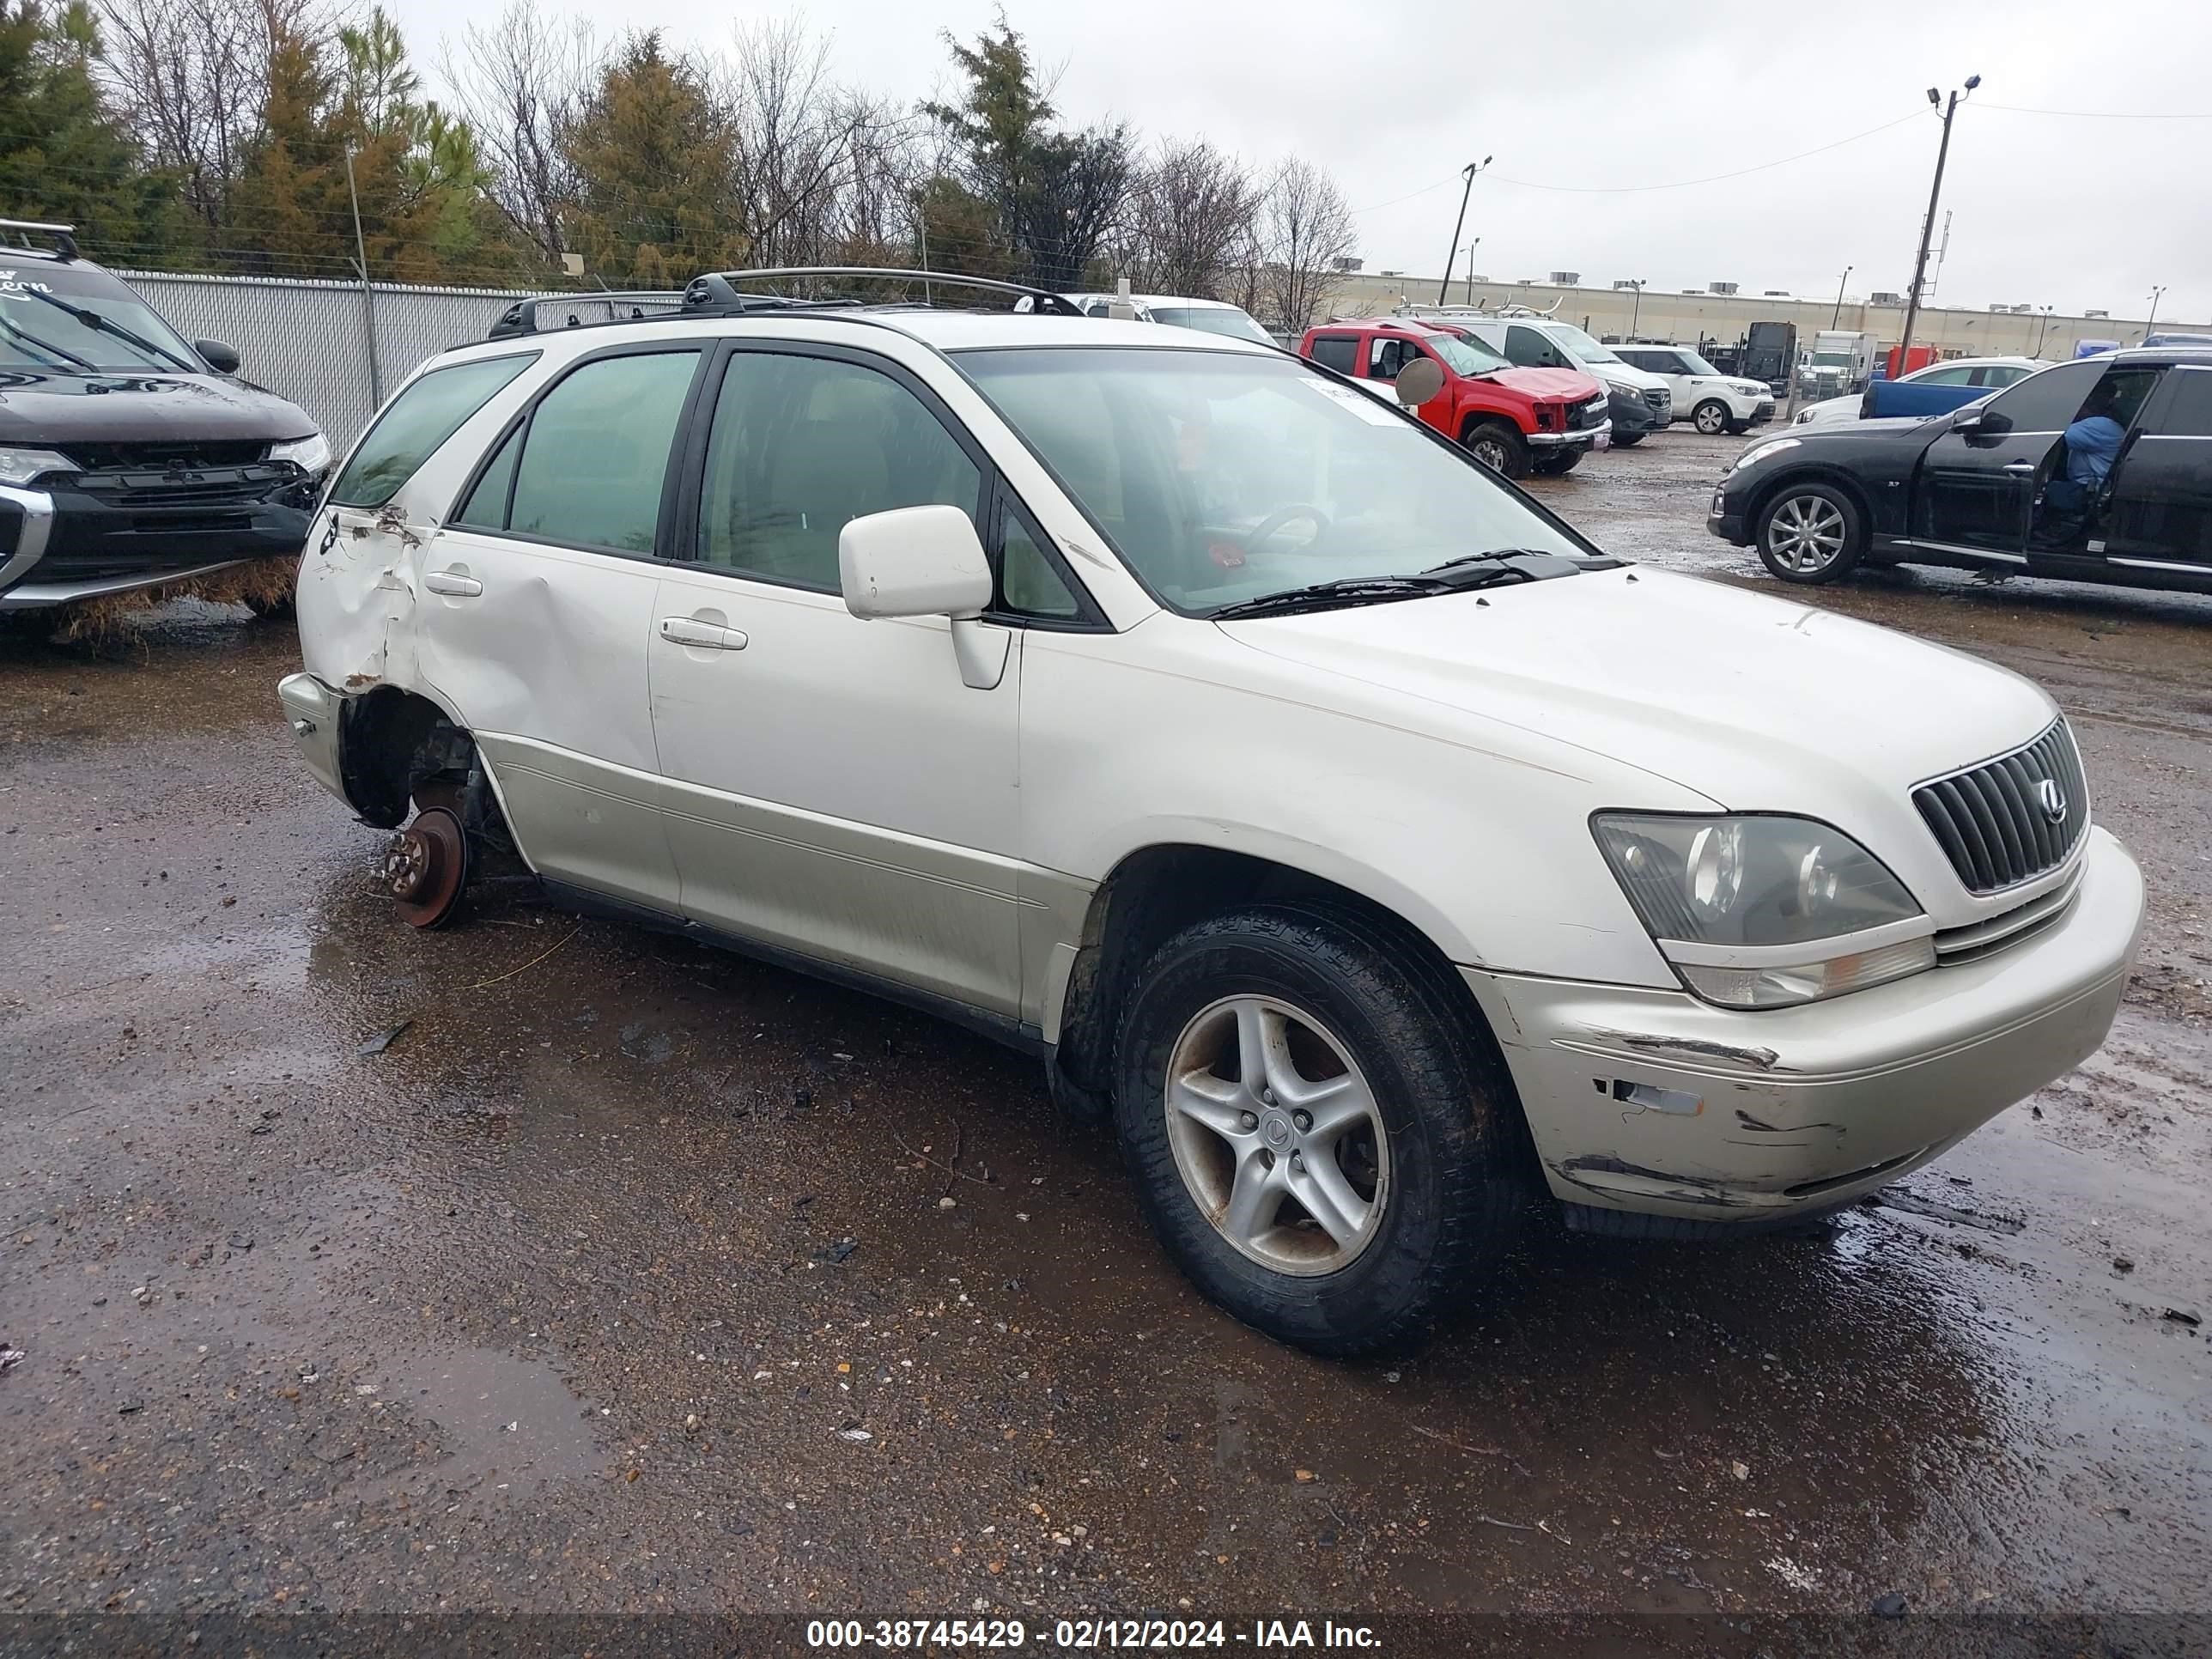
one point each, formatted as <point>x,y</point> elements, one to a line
<point>1515,421</point>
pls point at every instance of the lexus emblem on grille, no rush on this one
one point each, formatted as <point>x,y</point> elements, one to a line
<point>2052,799</point>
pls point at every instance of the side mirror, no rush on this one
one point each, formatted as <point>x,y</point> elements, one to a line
<point>925,562</point>
<point>1419,381</point>
<point>913,562</point>
<point>222,359</point>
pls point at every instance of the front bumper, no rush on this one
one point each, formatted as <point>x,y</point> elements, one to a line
<point>1629,412</point>
<point>1727,520</point>
<point>1653,1102</point>
<point>81,538</point>
<point>1762,412</point>
<point>1587,438</point>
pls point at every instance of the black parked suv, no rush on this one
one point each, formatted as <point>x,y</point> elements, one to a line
<point>1985,487</point>
<point>128,457</point>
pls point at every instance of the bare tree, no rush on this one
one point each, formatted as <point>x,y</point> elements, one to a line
<point>1305,229</point>
<point>1193,211</point>
<point>190,77</point>
<point>520,85</point>
<point>822,173</point>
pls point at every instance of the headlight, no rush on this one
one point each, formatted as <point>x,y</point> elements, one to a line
<point>20,466</point>
<point>1761,912</point>
<point>1761,451</point>
<point>311,455</point>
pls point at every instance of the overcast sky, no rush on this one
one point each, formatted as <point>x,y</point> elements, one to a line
<point>1606,93</point>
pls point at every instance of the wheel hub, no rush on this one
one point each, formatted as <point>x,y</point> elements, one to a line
<point>425,866</point>
<point>1276,1134</point>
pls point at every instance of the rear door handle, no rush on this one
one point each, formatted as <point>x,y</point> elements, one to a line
<point>700,636</point>
<point>2022,468</point>
<point>452,585</point>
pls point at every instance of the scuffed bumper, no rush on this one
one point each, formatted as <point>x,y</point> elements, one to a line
<point>1653,1102</point>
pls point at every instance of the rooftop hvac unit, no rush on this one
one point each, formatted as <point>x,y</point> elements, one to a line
<point>1884,297</point>
<point>1722,289</point>
<point>1777,293</point>
<point>1390,273</point>
<point>1349,262</point>
<point>1566,279</point>
<point>1478,277</point>
<point>2095,312</point>
<point>2021,311</point>
<point>1620,284</point>
<point>1999,307</point>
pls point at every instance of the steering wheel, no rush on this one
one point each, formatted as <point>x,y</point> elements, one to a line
<point>1257,537</point>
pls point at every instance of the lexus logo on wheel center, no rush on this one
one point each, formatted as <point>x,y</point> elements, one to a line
<point>2053,799</point>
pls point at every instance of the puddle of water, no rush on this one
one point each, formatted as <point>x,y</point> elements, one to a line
<point>507,1423</point>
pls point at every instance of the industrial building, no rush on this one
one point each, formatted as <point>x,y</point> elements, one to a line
<point>1721,311</point>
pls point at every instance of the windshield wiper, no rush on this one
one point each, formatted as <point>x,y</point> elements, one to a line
<point>1345,591</point>
<point>47,346</point>
<point>93,319</point>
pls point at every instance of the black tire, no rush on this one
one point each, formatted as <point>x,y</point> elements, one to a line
<point>1712,417</point>
<point>1794,528</point>
<point>1455,1145</point>
<point>1627,439</point>
<point>1557,463</point>
<point>1498,447</point>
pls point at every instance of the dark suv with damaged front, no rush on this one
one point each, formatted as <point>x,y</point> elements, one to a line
<point>129,459</point>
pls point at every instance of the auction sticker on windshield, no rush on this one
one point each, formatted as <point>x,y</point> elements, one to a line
<point>1360,402</point>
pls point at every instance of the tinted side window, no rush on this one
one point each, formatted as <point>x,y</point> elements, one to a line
<point>595,453</point>
<point>2047,402</point>
<point>1336,352</point>
<point>2189,405</point>
<point>1952,377</point>
<point>430,411</point>
<point>2003,374</point>
<point>486,506</point>
<point>1530,349</point>
<point>799,446</point>
<point>1027,580</point>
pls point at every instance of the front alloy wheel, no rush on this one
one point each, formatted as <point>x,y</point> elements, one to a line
<point>1809,535</point>
<point>1276,1135</point>
<point>1712,417</point>
<point>1319,1128</point>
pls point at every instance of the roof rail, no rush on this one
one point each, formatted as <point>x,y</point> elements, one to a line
<point>717,290</point>
<point>65,235</point>
<point>577,310</point>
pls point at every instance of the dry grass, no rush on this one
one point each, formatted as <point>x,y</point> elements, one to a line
<point>263,585</point>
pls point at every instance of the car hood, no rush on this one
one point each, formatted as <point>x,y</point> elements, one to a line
<point>1553,385</point>
<point>44,410</point>
<point>1841,431</point>
<point>1756,704</point>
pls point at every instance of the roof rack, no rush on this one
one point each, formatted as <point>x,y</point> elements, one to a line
<point>717,293</point>
<point>718,289</point>
<point>64,236</point>
<point>579,310</point>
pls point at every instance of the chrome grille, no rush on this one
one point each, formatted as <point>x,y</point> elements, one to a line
<point>1993,820</point>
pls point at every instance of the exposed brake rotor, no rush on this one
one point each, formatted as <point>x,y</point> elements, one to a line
<point>426,865</point>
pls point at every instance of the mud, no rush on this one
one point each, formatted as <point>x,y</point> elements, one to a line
<point>621,1279</point>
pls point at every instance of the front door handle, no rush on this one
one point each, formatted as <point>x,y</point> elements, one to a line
<point>2020,469</point>
<point>454,584</point>
<point>700,636</point>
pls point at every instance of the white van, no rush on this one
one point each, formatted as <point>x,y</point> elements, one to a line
<point>1639,403</point>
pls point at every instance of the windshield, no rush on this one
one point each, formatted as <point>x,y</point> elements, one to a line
<point>1697,365</point>
<point>41,331</point>
<point>1833,358</point>
<point>1209,319</point>
<point>1579,343</point>
<point>1465,354</point>
<point>1220,478</point>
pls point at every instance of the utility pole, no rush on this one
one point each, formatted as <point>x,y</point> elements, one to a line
<point>1470,270</point>
<point>1928,225</point>
<point>1636,304</point>
<point>1837,320</point>
<point>922,228</point>
<point>2039,327</point>
<point>1444,287</point>
<point>367,295</point>
<point>2156,295</point>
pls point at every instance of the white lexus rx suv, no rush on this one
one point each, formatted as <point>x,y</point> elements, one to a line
<point>1377,850</point>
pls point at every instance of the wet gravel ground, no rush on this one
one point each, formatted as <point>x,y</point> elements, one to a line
<point>622,1280</point>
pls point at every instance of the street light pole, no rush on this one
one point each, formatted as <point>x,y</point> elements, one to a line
<point>1636,304</point>
<point>1836,320</point>
<point>1443,287</point>
<point>2039,327</point>
<point>1928,225</point>
<point>1470,270</point>
<point>2156,295</point>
